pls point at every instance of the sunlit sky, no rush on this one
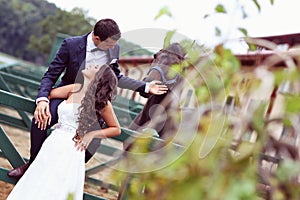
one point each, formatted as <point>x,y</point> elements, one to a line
<point>137,16</point>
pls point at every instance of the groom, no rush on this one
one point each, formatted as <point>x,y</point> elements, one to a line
<point>97,47</point>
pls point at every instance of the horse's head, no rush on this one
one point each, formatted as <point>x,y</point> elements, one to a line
<point>173,54</point>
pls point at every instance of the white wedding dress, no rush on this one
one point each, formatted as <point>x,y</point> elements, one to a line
<point>59,169</point>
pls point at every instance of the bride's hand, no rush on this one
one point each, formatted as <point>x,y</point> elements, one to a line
<point>82,143</point>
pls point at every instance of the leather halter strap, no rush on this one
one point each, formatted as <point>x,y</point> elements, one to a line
<point>164,80</point>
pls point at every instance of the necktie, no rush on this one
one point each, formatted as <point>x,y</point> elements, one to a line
<point>95,49</point>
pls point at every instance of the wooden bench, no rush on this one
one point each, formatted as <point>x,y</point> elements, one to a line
<point>19,85</point>
<point>31,72</point>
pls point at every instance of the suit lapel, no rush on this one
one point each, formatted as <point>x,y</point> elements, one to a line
<point>113,53</point>
<point>110,53</point>
<point>81,52</point>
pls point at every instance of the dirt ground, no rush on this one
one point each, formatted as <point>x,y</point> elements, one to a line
<point>22,143</point>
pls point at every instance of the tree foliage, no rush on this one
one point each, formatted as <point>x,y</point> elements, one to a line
<point>18,21</point>
<point>28,29</point>
<point>70,23</point>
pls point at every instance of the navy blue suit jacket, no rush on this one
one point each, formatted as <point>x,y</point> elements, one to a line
<point>70,60</point>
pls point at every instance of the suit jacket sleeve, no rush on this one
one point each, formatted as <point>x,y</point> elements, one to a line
<point>131,84</point>
<point>55,69</point>
<point>126,82</point>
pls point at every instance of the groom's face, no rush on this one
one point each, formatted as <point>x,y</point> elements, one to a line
<point>106,44</point>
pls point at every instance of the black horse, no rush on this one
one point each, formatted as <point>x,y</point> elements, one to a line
<point>158,112</point>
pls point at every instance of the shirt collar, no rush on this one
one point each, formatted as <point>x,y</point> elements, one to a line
<point>90,43</point>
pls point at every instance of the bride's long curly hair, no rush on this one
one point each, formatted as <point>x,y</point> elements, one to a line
<point>101,90</point>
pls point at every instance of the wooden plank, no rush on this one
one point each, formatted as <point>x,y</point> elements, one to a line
<point>16,101</point>
<point>128,104</point>
<point>13,121</point>
<point>125,116</point>
<point>125,134</point>
<point>20,80</point>
<point>5,178</point>
<point>3,156</point>
<point>101,166</point>
<point>23,115</point>
<point>29,72</point>
<point>5,66</point>
<point>9,150</point>
<point>102,184</point>
<point>18,85</point>
<point>87,196</point>
<point>108,150</point>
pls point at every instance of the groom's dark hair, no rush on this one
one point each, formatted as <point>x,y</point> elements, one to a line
<point>107,28</point>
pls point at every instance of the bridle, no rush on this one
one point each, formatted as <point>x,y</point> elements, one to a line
<point>166,82</point>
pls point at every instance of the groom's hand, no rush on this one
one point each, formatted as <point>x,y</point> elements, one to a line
<point>42,114</point>
<point>155,87</point>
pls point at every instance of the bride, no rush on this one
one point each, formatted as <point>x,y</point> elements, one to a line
<point>59,169</point>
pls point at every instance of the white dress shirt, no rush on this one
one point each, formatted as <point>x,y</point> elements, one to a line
<point>94,56</point>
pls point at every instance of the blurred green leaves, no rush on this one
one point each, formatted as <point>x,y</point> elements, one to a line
<point>220,9</point>
<point>230,170</point>
<point>292,104</point>
<point>165,11</point>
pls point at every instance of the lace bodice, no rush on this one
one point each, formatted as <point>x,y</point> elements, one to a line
<point>67,115</point>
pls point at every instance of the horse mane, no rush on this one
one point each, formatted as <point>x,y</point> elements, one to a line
<point>164,59</point>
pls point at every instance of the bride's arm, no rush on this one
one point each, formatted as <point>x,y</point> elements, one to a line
<point>113,128</point>
<point>61,92</point>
